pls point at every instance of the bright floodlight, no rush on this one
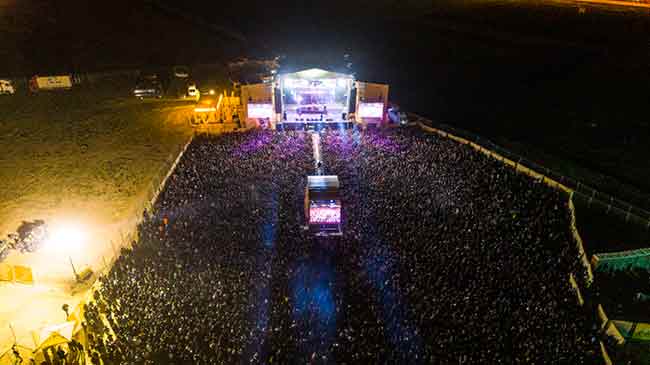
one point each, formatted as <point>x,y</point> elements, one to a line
<point>66,237</point>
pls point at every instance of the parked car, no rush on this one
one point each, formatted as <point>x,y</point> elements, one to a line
<point>6,87</point>
<point>148,86</point>
<point>181,72</point>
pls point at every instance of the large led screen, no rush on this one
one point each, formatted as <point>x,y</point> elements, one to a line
<point>371,110</point>
<point>325,214</point>
<point>260,110</point>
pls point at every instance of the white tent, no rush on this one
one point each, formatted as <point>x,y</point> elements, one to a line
<point>53,335</point>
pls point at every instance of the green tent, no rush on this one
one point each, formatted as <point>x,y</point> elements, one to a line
<point>623,260</point>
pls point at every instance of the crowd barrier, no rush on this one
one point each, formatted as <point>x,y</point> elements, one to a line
<point>579,244</point>
<point>607,328</point>
<point>127,238</point>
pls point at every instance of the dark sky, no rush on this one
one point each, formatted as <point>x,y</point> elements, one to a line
<point>78,34</point>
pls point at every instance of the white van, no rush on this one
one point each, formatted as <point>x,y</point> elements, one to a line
<point>6,88</point>
<point>192,91</point>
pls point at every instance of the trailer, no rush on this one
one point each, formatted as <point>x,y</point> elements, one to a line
<point>44,83</point>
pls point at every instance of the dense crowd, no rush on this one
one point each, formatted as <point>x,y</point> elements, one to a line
<point>446,256</point>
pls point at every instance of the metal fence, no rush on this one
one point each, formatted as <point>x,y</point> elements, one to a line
<point>130,234</point>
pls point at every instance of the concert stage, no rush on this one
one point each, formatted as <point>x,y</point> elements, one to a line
<point>314,98</point>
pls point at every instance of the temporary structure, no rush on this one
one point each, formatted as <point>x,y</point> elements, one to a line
<point>53,335</point>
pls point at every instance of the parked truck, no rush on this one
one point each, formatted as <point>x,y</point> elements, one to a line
<point>43,83</point>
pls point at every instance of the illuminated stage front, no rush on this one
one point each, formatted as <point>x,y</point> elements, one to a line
<point>315,96</point>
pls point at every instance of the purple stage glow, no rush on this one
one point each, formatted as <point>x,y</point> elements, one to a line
<point>258,142</point>
<point>254,143</point>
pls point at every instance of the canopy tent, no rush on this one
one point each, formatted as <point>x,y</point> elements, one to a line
<point>53,335</point>
<point>623,260</point>
<point>636,331</point>
<point>323,183</point>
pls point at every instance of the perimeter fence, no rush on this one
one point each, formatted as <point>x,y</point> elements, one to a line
<point>129,234</point>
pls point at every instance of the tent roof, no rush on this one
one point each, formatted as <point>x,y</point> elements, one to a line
<point>323,182</point>
<point>623,260</point>
<point>316,73</point>
<point>53,335</point>
<point>323,187</point>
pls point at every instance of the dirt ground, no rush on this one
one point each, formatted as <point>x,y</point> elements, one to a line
<point>85,158</point>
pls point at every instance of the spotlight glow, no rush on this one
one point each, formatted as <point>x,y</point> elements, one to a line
<point>66,237</point>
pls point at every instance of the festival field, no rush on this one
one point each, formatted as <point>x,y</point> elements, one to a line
<point>84,158</point>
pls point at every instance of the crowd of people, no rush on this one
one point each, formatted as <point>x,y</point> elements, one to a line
<point>447,256</point>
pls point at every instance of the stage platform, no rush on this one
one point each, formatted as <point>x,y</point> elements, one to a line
<point>313,125</point>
